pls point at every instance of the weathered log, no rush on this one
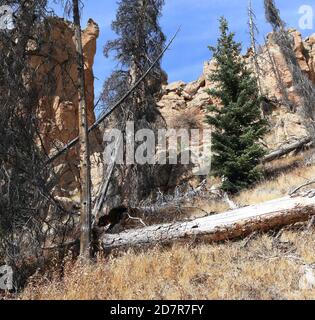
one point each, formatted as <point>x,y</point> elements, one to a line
<point>286,150</point>
<point>225,226</point>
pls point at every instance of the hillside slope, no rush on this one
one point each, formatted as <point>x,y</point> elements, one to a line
<point>279,264</point>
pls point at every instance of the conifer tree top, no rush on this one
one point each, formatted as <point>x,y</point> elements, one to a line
<point>237,121</point>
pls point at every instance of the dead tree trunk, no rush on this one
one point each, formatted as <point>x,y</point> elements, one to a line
<point>99,203</point>
<point>85,168</point>
<point>286,150</point>
<point>252,30</point>
<point>282,88</point>
<point>229,225</point>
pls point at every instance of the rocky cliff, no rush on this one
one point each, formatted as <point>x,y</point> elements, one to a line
<point>185,104</point>
<point>54,61</point>
<point>182,105</point>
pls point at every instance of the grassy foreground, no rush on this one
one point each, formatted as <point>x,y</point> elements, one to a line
<point>263,266</point>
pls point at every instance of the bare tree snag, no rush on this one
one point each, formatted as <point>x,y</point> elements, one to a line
<point>225,226</point>
<point>286,150</point>
<point>275,69</point>
<point>252,30</point>
<point>85,167</point>
<point>103,191</point>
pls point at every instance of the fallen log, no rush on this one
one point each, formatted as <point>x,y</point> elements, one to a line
<point>225,226</point>
<point>286,150</point>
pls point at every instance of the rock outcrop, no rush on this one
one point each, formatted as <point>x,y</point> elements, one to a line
<point>181,105</point>
<point>56,79</point>
<point>180,99</point>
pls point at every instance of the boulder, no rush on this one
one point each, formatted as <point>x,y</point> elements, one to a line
<point>177,86</point>
<point>194,86</point>
<point>200,100</point>
<point>173,101</point>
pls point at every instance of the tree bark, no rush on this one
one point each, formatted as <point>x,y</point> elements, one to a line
<point>220,227</point>
<point>85,167</point>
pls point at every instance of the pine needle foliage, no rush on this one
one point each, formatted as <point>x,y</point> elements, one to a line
<point>237,121</point>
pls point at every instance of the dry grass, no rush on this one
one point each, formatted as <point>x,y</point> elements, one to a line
<point>280,186</point>
<point>287,163</point>
<point>289,174</point>
<point>201,206</point>
<point>261,268</point>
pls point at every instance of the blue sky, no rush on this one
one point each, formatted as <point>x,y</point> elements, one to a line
<point>198,20</point>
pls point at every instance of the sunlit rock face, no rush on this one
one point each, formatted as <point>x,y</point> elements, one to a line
<point>56,78</point>
<point>182,105</point>
<point>286,126</point>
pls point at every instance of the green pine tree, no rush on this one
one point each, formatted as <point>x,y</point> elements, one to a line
<point>237,121</point>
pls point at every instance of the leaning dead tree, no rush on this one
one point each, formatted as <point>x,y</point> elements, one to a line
<point>303,85</point>
<point>85,166</point>
<point>225,226</point>
<point>273,15</point>
<point>101,197</point>
<point>277,74</point>
<point>276,154</point>
<point>253,30</point>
